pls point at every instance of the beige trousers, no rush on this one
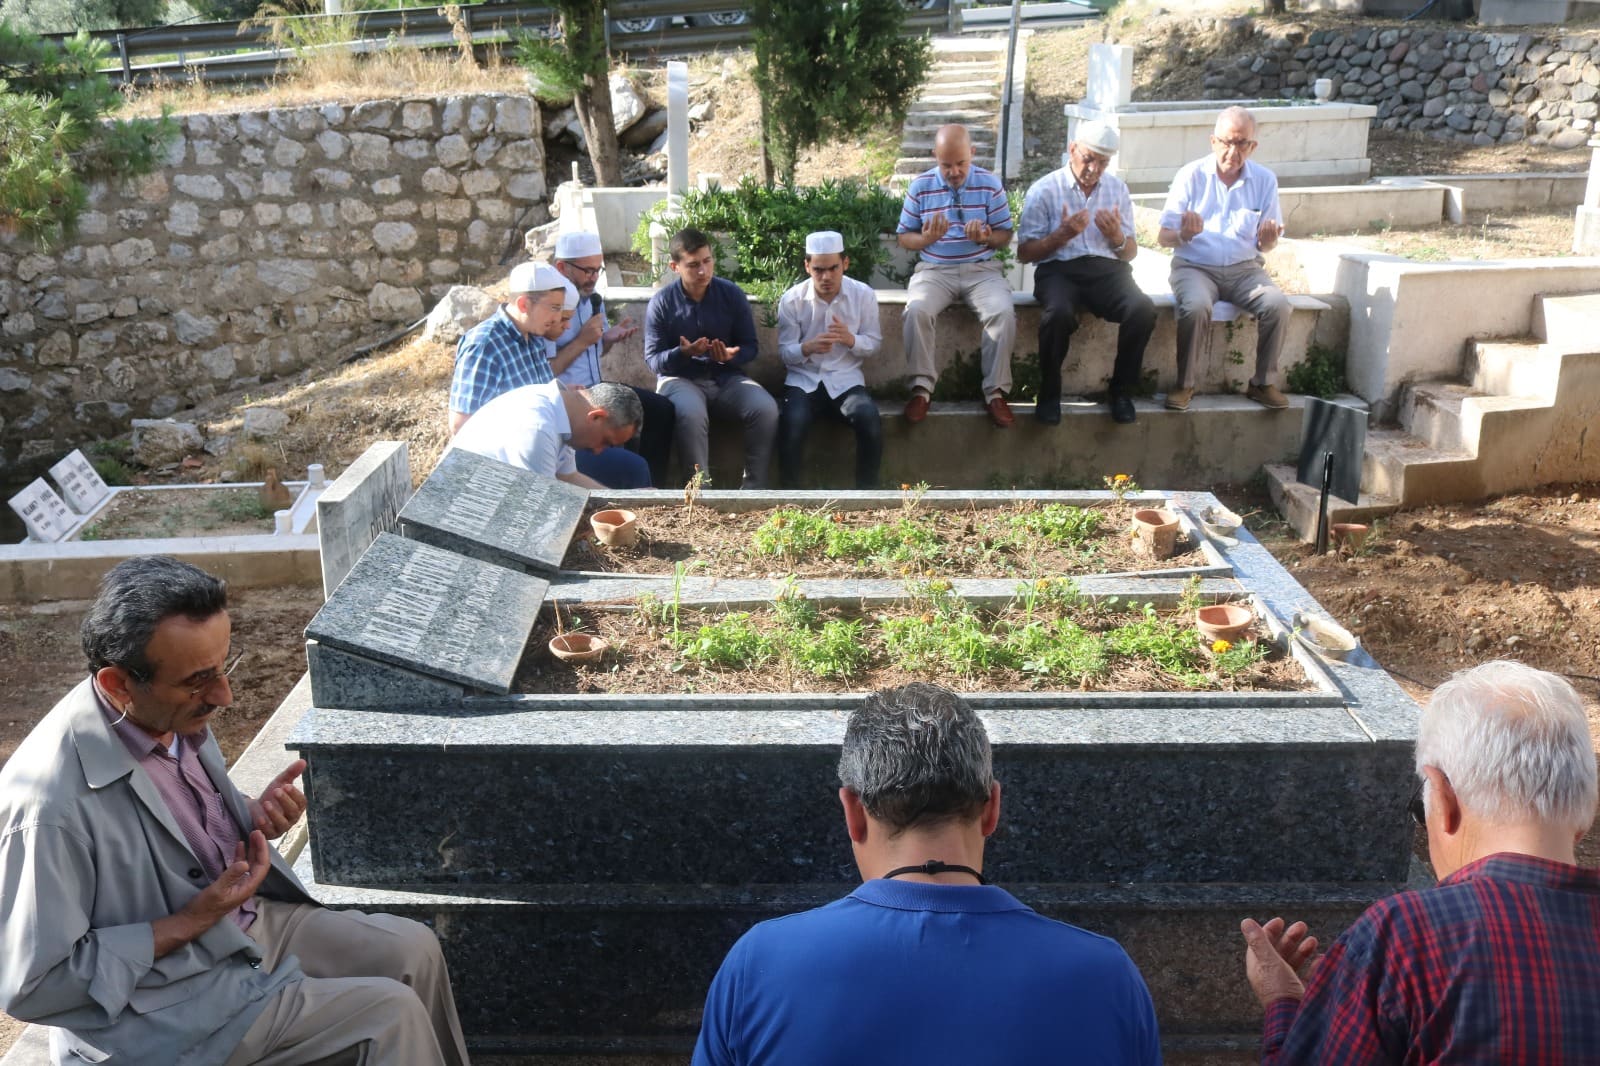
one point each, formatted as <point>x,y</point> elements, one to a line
<point>983,286</point>
<point>375,992</point>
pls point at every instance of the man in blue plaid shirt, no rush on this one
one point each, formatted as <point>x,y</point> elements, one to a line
<point>508,349</point>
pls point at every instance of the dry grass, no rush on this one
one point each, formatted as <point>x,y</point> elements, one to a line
<point>1484,235</point>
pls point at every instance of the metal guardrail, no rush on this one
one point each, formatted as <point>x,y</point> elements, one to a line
<point>210,52</point>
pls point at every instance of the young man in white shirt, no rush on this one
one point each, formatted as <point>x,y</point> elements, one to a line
<point>537,427</point>
<point>827,325</point>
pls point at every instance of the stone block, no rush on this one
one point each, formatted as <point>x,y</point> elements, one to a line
<point>160,441</point>
<point>364,501</point>
<point>391,303</point>
<point>461,308</point>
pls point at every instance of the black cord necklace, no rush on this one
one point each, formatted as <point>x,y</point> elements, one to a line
<point>937,866</point>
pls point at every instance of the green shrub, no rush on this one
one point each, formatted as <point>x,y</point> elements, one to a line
<point>1320,375</point>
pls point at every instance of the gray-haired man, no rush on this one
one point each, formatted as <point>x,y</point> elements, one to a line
<point>539,427</point>
<point>926,961</point>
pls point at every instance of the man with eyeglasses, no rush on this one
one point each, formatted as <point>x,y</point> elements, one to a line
<point>955,217</point>
<point>1221,215</point>
<point>1077,224</point>
<point>584,340</point>
<point>507,350</point>
<point>144,916</point>
<point>1500,961</point>
<point>827,325</point>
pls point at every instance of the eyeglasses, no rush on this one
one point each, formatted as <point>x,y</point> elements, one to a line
<point>1418,809</point>
<point>1239,145</point>
<point>587,272</point>
<point>196,690</point>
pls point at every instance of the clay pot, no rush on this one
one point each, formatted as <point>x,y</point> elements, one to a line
<point>1350,535</point>
<point>1224,621</point>
<point>580,649</point>
<point>618,528</point>
<point>1156,531</point>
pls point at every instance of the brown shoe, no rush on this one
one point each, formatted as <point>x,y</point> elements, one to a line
<point>1178,399</point>
<point>1267,396</point>
<point>916,408</point>
<point>999,413</point>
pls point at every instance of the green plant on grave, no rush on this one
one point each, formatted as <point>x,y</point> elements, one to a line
<point>790,533</point>
<point>1190,599</point>
<point>1120,485</point>
<point>1169,645</point>
<point>1060,650</point>
<point>228,507</point>
<point>1320,374</point>
<point>731,643</point>
<point>1236,657</point>
<point>1059,524</point>
<point>835,649</point>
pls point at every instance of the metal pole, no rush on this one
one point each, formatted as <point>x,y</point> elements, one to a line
<point>1003,142</point>
<point>1322,503</point>
<point>122,50</point>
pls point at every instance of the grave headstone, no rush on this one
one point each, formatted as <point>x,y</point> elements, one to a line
<point>489,510</point>
<point>363,502</point>
<point>80,482</point>
<point>677,127</point>
<point>431,611</point>
<point>1110,76</point>
<point>46,515</point>
<point>1342,430</point>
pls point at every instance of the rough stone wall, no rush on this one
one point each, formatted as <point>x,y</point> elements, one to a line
<point>1464,85</point>
<point>267,239</point>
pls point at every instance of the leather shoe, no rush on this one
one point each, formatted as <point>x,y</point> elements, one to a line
<point>916,408</point>
<point>1178,399</point>
<point>1122,409</point>
<point>1000,413</point>
<point>1267,396</point>
<point>1048,414</point>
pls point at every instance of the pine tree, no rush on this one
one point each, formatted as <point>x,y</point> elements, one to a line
<point>55,136</point>
<point>579,68</point>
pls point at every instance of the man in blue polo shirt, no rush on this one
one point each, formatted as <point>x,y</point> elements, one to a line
<point>956,216</point>
<point>926,962</point>
<point>1221,214</point>
<point>698,335</point>
<point>507,350</point>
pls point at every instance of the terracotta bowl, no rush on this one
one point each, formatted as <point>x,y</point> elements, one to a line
<point>618,528</point>
<point>1224,621</point>
<point>1350,534</point>
<point>1154,518</point>
<point>581,649</point>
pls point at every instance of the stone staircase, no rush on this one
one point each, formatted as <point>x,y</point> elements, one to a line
<point>964,86</point>
<point>1526,413</point>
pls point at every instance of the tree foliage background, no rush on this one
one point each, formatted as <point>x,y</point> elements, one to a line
<point>828,70</point>
<point>573,64</point>
<point>55,136</point>
<point>68,16</point>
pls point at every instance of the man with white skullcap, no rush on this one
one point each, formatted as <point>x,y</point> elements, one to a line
<point>1077,224</point>
<point>827,325</point>
<point>507,350</point>
<point>583,342</point>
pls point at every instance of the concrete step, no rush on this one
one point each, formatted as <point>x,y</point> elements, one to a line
<point>933,118</point>
<point>1431,411</point>
<point>962,83</point>
<point>1403,468</point>
<point>1571,322</point>
<point>912,166</point>
<point>1297,502</point>
<point>964,98</point>
<point>1514,368</point>
<point>967,66</point>
<point>921,144</point>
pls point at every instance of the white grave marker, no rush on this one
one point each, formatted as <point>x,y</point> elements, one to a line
<point>1110,77</point>
<point>80,482</point>
<point>677,128</point>
<point>44,513</point>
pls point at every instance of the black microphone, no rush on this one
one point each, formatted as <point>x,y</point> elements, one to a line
<point>594,304</point>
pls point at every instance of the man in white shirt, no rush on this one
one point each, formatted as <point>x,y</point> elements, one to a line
<point>537,427</point>
<point>827,325</point>
<point>1077,224</point>
<point>1221,215</point>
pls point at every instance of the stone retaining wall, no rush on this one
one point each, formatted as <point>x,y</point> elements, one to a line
<point>266,240</point>
<point>1469,86</point>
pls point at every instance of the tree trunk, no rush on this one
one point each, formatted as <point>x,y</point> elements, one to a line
<point>593,104</point>
<point>1276,7</point>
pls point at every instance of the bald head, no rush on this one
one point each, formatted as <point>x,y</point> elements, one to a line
<point>952,151</point>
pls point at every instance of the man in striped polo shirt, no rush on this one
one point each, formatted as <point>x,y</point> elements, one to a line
<point>956,216</point>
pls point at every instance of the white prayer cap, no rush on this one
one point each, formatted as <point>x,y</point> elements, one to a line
<point>824,242</point>
<point>578,244</point>
<point>569,302</point>
<point>1097,137</point>
<point>535,277</point>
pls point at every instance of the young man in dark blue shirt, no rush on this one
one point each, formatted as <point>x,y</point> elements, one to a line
<point>698,334</point>
<point>926,962</point>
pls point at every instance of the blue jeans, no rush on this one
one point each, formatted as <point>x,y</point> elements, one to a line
<point>853,406</point>
<point>615,468</point>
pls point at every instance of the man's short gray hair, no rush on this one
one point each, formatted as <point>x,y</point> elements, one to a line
<point>917,756</point>
<point>621,403</point>
<point>1235,113</point>
<point>1514,742</point>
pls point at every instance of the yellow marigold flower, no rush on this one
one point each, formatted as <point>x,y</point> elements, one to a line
<point>1120,477</point>
<point>1220,646</point>
<point>905,486</point>
<point>1042,583</point>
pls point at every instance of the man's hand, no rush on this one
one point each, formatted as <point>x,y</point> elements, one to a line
<point>840,333</point>
<point>1273,957</point>
<point>1190,226</point>
<point>1268,234</point>
<point>590,331</point>
<point>1109,223</point>
<point>695,347</point>
<point>281,804</point>
<point>619,332</point>
<point>934,228</point>
<point>721,353</point>
<point>1074,223</point>
<point>978,232</point>
<point>217,900</point>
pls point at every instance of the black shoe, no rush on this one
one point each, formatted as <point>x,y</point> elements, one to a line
<point>1048,414</point>
<point>1122,409</point>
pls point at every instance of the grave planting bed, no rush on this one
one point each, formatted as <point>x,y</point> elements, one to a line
<point>836,539</point>
<point>208,512</point>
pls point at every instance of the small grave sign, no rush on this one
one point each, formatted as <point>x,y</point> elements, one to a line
<point>433,611</point>
<point>80,482</point>
<point>495,512</point>
<point>46,515</point>
<point>1336,428</point>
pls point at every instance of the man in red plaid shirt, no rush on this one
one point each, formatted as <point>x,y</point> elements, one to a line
<point>1500,962</point>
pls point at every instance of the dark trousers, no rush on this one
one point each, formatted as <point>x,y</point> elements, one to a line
<point>653,442</point>
<point>853,406</point>
<point>1104,287</point>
